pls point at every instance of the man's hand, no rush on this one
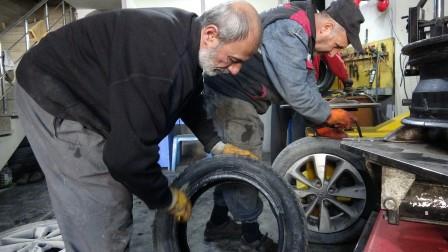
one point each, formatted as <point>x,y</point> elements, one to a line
<point>332,133</point>
<point>180,206</point>
<point>340,118</point>
<point>231,149</point>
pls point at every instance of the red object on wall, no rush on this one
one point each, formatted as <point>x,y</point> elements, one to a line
<point>336,65</point>
<point>357,2</point>
<point>382,5</point>
<point>407,236</point>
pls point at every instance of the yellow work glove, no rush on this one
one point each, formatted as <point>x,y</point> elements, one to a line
<point>180,206</point>
<point>230,149</point>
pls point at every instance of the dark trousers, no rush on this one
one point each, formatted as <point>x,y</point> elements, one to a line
<point>93,210</point>
<point>286,127</point>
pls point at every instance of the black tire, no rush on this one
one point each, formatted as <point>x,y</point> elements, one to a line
<point>297,152</point>
<point>170,236</point>
<point>326,77</point>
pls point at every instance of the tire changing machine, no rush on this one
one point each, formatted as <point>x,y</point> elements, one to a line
<point>412,162</point>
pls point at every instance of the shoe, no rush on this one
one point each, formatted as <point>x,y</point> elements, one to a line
<point>229,230</point>
<point>265,244</point>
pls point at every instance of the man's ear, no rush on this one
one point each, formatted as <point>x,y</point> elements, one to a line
<point>210,36</point>
<point>327,27</point>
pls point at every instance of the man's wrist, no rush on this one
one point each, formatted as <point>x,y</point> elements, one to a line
<point>218,148</point>
<point>173,199</point>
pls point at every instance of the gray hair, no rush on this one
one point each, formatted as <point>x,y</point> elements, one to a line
<point>338,27</point>
<point>233,24</point>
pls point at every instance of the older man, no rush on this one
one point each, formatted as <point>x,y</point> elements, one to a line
<point>97,96</point>
<point>283,70</point>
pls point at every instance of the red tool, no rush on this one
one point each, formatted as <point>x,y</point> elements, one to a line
<point>382,5</point>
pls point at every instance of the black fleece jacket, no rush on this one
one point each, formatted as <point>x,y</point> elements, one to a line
<point>128,75</point>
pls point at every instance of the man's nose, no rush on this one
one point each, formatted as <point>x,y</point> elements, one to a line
<point>234,68</point>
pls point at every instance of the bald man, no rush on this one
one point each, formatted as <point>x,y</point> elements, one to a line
<point>97,96</point>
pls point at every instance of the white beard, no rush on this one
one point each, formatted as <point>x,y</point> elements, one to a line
<point>206,59</point>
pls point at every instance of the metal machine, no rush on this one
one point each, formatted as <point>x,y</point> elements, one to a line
<point>412,163</point>
<point>428,51</point>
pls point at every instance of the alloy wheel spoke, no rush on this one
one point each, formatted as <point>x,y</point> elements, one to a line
<point>337,173</point>
<point>357,192</point>
<point>298,176</point>
<point>303,193</point>
<point>14,240</point>
<point>319,163</point>
<point>344,208</point>
<point>324,218</point>
<point>15,247</point>
<point>311,207</point>
<point>27,249</point>
<point>55,244</point>
<point>53,233</point>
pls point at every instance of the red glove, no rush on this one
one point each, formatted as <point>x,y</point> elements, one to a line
<point>340,118</point>
<point>332,133</point>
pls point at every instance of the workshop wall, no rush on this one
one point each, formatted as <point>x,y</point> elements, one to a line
<point>387,24</point>
<point>401,8</point>
<point>81,13</point>
<point>197,6</point>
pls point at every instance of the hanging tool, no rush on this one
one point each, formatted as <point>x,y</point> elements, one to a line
<point>355,71</point>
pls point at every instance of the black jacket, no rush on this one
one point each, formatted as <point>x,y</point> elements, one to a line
<point>128,75</point>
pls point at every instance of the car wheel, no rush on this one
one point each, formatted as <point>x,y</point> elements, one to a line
<point>37,236</point>
<point>333,186</point>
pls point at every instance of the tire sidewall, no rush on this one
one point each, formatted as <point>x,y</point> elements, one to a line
<point>324,84</point>
<point>210,171</point>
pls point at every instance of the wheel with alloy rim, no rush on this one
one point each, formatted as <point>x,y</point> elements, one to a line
<point>38,237</point>
<point>333,186</point>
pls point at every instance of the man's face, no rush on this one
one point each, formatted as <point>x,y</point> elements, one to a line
<point>331,40</point>
<point>216,57</point>
<point>224,58</point>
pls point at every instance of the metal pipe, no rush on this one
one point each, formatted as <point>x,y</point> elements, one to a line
<point>47,19</point>
<point>2,83</point>
<point>56,22</point>
<point>64,21</point>
<point>15,43</point>
<point>421,3</point>
<point>26,16</point>
<point>71,13</point>
<point>439,6</point>
<point>4,101</point>
<point>27,35</point>
<point>202,6</point>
